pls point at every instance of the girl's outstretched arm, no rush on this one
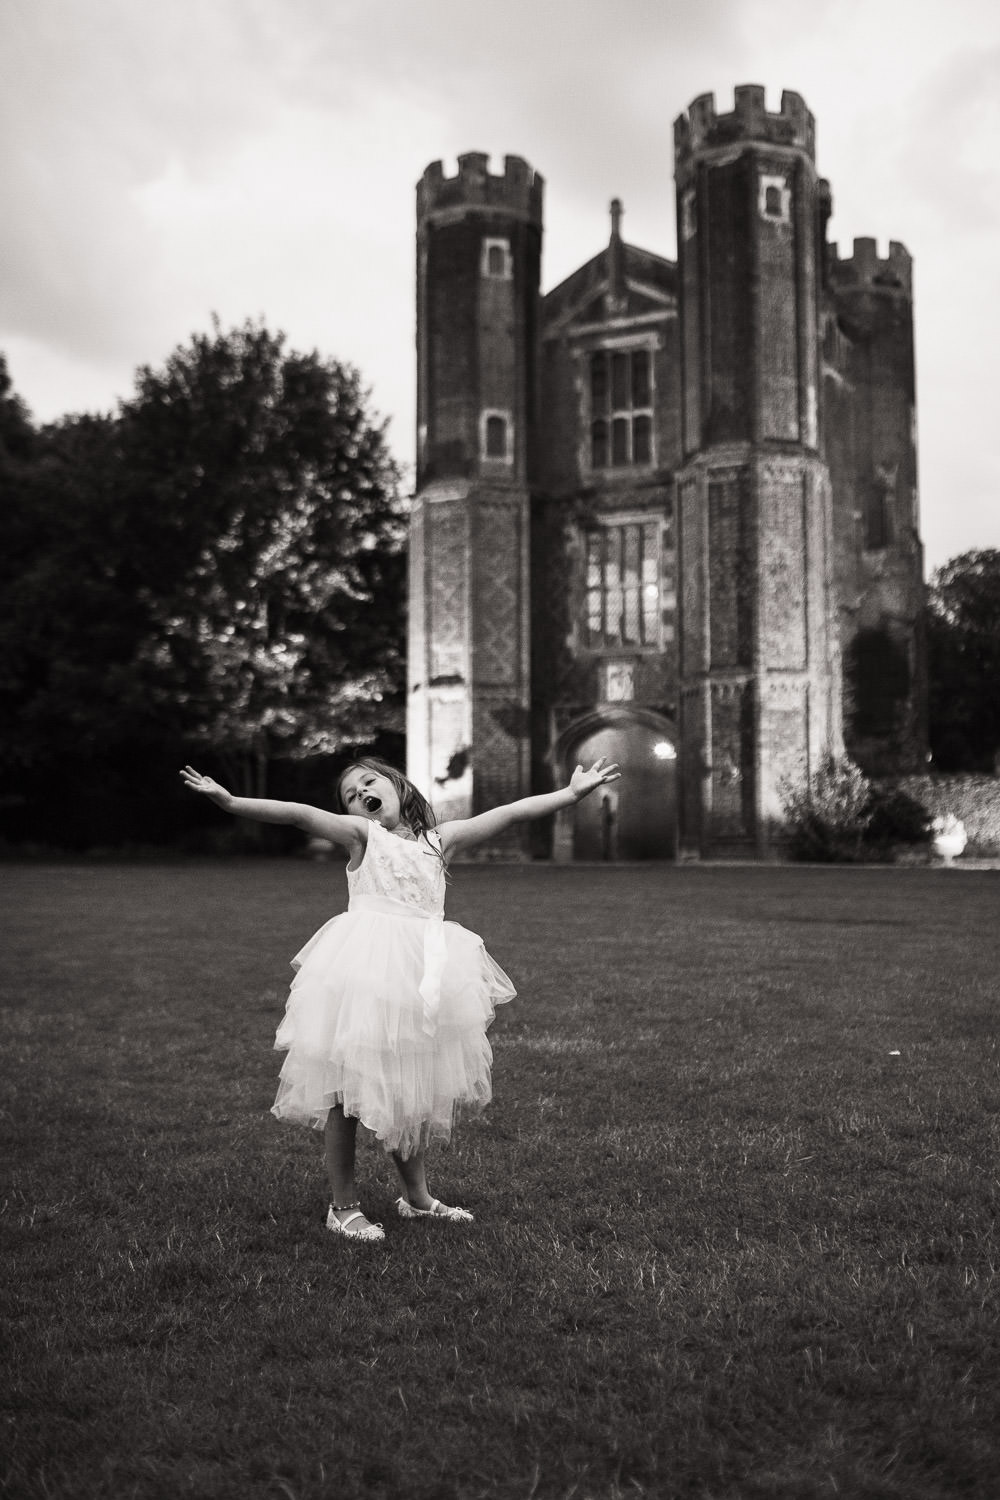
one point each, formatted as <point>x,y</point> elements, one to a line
<point>347,831</point>
<point>465,833</point>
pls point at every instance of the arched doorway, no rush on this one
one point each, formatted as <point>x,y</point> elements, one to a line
<point>636,817</point>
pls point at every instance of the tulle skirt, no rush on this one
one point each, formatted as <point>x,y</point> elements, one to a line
<point>387,1016</point>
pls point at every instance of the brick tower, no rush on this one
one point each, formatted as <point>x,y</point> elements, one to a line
<point>479,239</point>
<point>759,681</point>
<point>870,443</point>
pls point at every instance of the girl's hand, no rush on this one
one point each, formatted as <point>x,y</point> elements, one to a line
<point>206,786</point>
<point>582,782</point>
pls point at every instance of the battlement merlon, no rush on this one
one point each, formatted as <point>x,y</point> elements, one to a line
<point>702,129</point>
<point>866,270</point>
<point>518,191</point>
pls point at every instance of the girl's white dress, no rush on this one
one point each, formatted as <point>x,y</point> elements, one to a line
<point>389,1009</point>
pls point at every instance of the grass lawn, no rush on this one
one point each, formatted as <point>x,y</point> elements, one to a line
<point>736,1198</point>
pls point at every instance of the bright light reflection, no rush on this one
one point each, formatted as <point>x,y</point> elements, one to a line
<point>664,750</point>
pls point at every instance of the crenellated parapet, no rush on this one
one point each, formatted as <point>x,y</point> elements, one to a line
<point>867,271</point>
<point>703,129</point>
<point>518,190</point>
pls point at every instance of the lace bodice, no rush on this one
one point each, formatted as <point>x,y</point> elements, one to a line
<point>400,869</point>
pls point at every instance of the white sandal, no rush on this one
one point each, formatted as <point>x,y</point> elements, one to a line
<point>369,1232</point>
<point>437,1210</point>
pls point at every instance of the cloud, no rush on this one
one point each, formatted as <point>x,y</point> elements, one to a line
<point>258,158</point>
<point>95,106</point>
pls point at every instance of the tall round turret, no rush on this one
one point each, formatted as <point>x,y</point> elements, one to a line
<point>479,244</point>
<point>747,205</point>
<point>759,690</point>
<point>479,238</point>
<point>879,557</point>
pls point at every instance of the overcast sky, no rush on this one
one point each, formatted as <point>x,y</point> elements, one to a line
<point>164,160</point>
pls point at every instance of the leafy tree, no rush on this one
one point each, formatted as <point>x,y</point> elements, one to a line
<point>68,628</point>
<point>963,637</point>
<point>17,434</point>
<point>275,583</point>
<point>219,565</point>
<point>17,450</point>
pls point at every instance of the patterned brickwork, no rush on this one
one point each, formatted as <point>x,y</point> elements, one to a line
<point>692,601</point>
<point>417,610</point>
<point>692,760</point>
<point>732,760</point>
<point>446,527</point>
<point>449,728</point>
<point>500,758</point>
<point>730,568</point>
<point>784,731</point>
<point>783,596</point>
<point>498,600</point>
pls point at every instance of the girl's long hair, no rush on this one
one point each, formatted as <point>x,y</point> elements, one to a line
<point>414,809</point>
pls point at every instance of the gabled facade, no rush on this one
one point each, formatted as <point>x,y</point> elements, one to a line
<point>666,513</point>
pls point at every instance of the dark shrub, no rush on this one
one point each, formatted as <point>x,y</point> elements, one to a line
<point>894,817</point>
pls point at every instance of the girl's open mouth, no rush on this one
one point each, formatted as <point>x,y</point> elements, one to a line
<point>371,803</point>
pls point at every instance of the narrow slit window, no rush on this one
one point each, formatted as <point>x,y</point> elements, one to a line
<point>640,377</point>
<point>599,445</point>
<point>877,522</point>
<point>496,261</point>
<point>496,437</point>
<point>598,382</point>
<point>620,395</point>
<point>642,445</point>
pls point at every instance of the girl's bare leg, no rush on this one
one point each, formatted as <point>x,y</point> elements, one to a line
<point>338,1143</point>
<point>413,1175</point>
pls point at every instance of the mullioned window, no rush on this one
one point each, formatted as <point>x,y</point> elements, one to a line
<point>621,408</point>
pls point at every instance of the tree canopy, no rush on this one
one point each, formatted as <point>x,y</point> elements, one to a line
<point>964,662</point>
<point>218,565</point>
<point>279,629</point>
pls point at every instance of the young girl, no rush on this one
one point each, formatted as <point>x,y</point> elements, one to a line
<point>387,1016</point>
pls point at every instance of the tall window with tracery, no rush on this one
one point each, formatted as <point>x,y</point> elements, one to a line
<point>621,408</point>
<point>624,585</point>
